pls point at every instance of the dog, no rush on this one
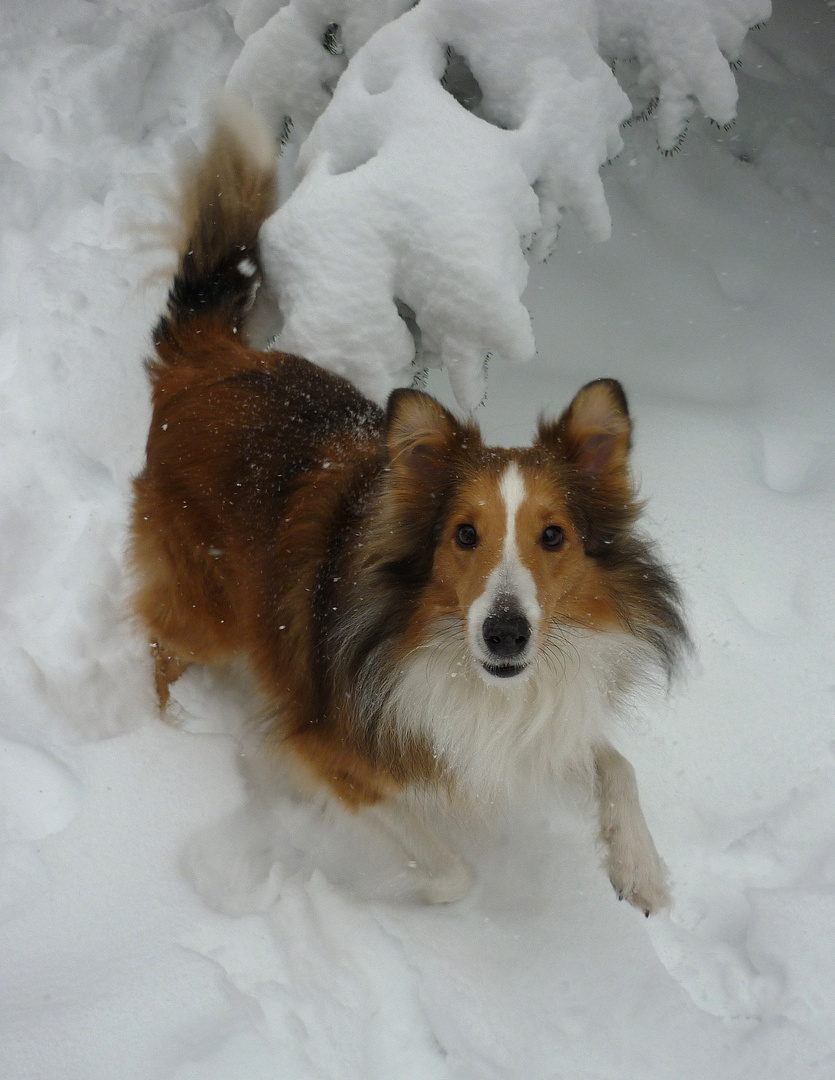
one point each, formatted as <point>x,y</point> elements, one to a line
<point>429,620</point>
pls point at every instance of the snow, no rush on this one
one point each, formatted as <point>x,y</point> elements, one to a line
<point>412,212</point>
<point>156,920</point>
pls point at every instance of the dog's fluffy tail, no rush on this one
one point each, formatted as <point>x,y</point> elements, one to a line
<point>224,197</point>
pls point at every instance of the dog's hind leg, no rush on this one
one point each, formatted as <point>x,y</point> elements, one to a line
<point>168,667</point>
<point>443,875</point>
<point>635,868</point>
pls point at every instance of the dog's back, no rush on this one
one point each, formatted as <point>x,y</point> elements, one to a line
<point>236,433</point>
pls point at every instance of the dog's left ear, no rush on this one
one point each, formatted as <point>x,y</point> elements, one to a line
<point>594,433</point>
<point>419,432</point>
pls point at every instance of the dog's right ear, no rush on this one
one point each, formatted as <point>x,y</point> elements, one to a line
<point>419,433</point>
<point>594,435</point>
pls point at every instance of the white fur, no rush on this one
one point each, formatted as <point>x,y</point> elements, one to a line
<point>234,114</point>
<point>511,578</point>
<point>634,866</point>
<point>503,735</point>
<point>441,874</point>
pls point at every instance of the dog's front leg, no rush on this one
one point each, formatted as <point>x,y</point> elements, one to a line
<point>634,866</point>
<point>443,875</point>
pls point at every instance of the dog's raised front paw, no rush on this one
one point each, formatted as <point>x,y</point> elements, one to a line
<point>639,877</point>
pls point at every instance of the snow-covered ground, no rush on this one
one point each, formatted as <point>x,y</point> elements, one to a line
<point>155,922</point>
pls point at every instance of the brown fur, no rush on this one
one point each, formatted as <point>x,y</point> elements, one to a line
<point>283,518</point>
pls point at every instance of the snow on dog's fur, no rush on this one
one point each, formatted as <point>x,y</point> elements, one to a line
<point>422,613</point>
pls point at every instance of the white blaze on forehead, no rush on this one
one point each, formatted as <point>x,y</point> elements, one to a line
<point>511,579</point>
<point>517,580</point>
<point>512,491</point>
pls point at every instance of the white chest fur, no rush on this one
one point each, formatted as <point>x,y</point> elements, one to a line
<point>495,737</point>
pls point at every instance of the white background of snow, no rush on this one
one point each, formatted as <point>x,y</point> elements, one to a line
<point>404,197</point>
<point>713,301</point>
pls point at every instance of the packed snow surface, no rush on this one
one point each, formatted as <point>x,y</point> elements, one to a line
<point>156,921</point>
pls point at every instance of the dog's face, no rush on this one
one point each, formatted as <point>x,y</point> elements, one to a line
<point>514,542</point>
<point>510,563</point>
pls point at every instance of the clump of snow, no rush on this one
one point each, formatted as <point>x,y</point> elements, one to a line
<point>447,142</point>
<point>682,50</point>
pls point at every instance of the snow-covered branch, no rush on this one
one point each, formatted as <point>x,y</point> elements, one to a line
<point>442,142</point>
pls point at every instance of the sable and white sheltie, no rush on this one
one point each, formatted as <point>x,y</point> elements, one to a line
<point>428,619</point>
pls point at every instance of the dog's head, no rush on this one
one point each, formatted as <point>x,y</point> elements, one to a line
<point>515,547</point>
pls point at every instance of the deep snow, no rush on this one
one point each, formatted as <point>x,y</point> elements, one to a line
<point>154,921</point>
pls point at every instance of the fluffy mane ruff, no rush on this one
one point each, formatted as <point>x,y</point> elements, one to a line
<point>492,741</point>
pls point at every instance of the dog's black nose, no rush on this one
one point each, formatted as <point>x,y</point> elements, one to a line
<point>506,635</point>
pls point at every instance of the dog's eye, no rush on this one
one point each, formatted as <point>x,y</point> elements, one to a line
<point>553,538</point>
<point>466,536</point>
